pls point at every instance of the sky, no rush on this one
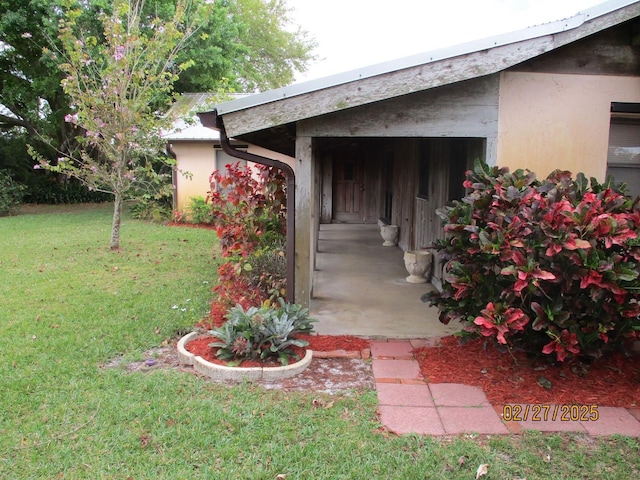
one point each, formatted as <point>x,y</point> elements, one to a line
<point>357,33</point>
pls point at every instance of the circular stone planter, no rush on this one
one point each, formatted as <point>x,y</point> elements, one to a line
<point>238,374</point>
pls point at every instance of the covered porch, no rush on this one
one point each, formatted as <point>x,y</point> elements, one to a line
<point>359,288</point>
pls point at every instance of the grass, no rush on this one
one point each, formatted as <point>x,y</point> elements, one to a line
<point>69,304</point>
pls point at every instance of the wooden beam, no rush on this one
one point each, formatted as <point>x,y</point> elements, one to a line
<point>304,220</point>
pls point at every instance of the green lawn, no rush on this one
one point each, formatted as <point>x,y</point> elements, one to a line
<point>68,304</point>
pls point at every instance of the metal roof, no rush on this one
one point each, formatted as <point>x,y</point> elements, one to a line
<point>186,124</point>
<point>422,59</point>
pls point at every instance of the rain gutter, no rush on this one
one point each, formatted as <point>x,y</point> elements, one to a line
<point>174,181</point>
<point>213,120</point>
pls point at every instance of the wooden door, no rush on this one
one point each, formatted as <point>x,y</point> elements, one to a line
<point>348,190</point>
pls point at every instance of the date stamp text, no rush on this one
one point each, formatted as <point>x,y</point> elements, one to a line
<point>542,412</point>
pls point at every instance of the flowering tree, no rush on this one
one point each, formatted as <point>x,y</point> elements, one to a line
<point>118,82</point>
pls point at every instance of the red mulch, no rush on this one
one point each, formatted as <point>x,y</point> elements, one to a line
<point>324,343</point>
<point>216,316</point>
<point>327,343</point>
<point>612,381</point>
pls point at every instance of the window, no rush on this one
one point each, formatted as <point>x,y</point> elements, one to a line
<point>457,169</point>
<point>388,187</point>
<point>623,160</point>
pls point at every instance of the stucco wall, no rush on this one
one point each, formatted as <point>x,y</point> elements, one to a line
<point>263,152</point>
<point>199,160</point>
<point>550,121</point>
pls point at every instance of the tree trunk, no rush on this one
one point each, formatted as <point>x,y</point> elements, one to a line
<point>117,220</point>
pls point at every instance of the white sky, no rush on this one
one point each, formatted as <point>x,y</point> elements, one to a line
<point>356,33</point>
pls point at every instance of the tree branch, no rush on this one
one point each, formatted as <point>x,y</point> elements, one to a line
<point>7,123</point>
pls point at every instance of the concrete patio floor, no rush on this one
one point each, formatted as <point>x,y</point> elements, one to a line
<point>360,288</point>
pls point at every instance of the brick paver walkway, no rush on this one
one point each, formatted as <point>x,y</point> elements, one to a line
<point>410,405</point>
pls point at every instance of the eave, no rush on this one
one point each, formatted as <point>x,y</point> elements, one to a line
<point>269,119</point>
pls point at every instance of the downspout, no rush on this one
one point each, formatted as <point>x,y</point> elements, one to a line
<point>213,120</point>
<point>174,181</point>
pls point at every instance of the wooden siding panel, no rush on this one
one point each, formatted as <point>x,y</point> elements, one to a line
<point>317,211</point>
<point>611,52</point>
<point>441,157</point>
<point>372,187</point>
<point>383,87</point>
<point>468,109</point>
<point>327,188</point>
<point>404,189</point>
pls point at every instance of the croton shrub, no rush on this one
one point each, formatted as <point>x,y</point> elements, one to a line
<point>548,266</point>
<point>248,207</point>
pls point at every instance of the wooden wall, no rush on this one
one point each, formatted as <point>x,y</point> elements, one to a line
<point>465,114</point>
<point>405,173</point>
<point>448,159</point>
<point>465,109</point>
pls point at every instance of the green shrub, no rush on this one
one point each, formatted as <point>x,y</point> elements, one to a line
<point>149,208</point>
<point>199,211</point>
<point>549,266</point>
<point>11,193</point>
<point>262,332</point>
<point>266,271</point>
<point>49,190</point>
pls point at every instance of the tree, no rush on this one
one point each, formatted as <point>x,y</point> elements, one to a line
<point>249,44</point>
<point>245,45</point>
<point>115,84</point>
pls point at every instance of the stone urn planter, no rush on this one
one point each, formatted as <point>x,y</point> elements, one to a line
<point>389,234</point>
<point>238,374</point>
<point>417,263</point>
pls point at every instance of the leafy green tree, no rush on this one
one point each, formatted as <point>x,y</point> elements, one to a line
<point>32,100</point>
<point>275,53</point>
<point>251,45</point>
<point>242,45</point>
<point>115,84</point>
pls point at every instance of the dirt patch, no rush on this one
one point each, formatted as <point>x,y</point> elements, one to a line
<point>326,375</point>
<point>329,375</point>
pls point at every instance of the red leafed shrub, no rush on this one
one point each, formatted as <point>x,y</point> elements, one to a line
<point>249,213</point>
<point>548,266</point>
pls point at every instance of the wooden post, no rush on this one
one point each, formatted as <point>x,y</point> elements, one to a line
<point>304,220</point>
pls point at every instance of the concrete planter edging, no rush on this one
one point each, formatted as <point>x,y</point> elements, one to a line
<point>222,372</point>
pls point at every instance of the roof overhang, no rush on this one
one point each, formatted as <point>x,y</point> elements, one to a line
<point>268,119</point>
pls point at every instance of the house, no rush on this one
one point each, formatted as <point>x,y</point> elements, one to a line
<point>197,150</point>
<point>393,141</point>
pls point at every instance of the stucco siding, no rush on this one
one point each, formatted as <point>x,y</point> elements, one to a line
<point>263,152</point>
<point>550,121</point>
<point>195,163</point>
